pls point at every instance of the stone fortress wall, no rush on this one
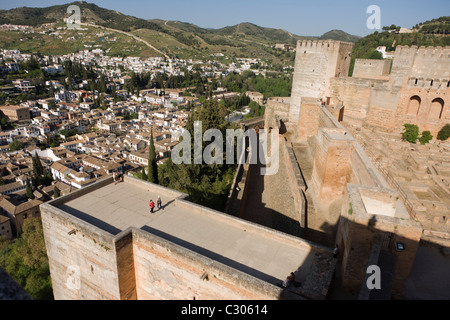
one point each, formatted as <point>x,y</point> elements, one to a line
<point>316,62</point>
<point>371,68</point>
<point>89,262</point>
<point>340,162</point>
<point>332,179</point>
<point>416,90</point>
<point>375,209</point>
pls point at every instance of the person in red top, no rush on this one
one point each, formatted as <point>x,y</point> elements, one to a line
<point>289,280</point>
<point>152,205</point>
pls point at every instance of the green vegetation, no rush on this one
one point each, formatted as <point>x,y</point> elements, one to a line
<point>410,133</point>
<point>38,170</point>
<point>339,35</point>
<point>435,26</point>
<point>29,190</point>
<point>205,184</point>
<point>273,85</point>
<point>152,165</point>
<point>40,176</point>
<point>143,174</point>
<point>4,122</point>
<point>56,192</point>
<point>177,39</point>
<point>425,138</point>
<point>235,103</point>
<point>25,260</point>
<point>68,133</point>
<point>444,133</point>
<point>16,145</point>
<point>52,141</point>
<point>255,110</point>
<point>365,48</point>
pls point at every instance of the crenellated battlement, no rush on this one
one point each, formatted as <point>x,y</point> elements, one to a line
<point>428,83</point>
<point>370,60</point>
<point>322,44</point>
<point>402,51</point>
<point>405,51</point>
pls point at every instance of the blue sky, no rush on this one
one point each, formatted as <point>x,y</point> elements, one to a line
<point>312,18</point>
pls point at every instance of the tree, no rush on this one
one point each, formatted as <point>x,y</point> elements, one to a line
<point>444,133</point>
<point>144,174</point>
<point>29,190</point>
<point>206,184</point>
<point>56,192</point>
<point>38,170</point>
<point>16,145</point>
<point>26,261</point>
<point>152,165</point>
<point>426,137</point>
<point>411,133</point>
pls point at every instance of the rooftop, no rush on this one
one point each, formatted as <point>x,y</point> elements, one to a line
<point>258,251</point>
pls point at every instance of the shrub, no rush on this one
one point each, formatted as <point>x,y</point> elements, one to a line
<point>444,133</point>
<point>411,133</point>
<point>16,145</point>
<point>426,137</point>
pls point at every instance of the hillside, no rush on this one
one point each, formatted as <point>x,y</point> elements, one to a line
<point>339,35</point>
<point>435,26</point>
<point>90,13</point>
<point>365,47</point>
<point>175,38</point>
<point>268,34</point>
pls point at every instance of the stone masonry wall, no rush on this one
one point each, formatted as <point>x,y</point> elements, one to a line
<point>296,182</point>
<point>332,168</point>
<point>316,62</point>
<point>427,113</point>
<point>309,118</point>
<point>83,264</point>
<point>167,271</point>
<point>354,94</point>
<point>358,230</point>
<point>371,68</point>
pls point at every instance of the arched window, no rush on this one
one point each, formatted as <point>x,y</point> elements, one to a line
<point>437,107</point>
<point>413,105</point>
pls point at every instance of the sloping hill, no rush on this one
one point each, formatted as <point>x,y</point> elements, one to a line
<point>435,26</point>
<point>339,35</point>
<point>90,13</point>
<point>421,36</point>
<point>267,34</point>
<point>174,38</point>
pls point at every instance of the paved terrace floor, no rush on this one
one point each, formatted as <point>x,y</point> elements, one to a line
<point>114,208</point>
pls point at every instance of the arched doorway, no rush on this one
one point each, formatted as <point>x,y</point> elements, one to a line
<point>413,105</point>
<point>436,109</point>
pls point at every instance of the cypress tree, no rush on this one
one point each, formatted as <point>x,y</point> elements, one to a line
<point>30,194</point>
<point>152,165</point>
<point>143,174</point>
<point>56,193</point>
<point>38,170</point>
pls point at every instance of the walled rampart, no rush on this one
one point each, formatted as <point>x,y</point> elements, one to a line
<point>296,182</point>
<point>88,262</point>
<point>371,68</point>
<point>316,62</point>
<point>363,211</point>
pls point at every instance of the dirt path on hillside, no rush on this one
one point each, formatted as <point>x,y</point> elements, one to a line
<point>128,34</point>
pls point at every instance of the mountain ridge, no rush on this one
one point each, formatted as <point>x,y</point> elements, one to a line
<point>93,13</point>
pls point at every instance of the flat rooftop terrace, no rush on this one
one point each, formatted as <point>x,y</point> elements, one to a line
<point>264,253</point>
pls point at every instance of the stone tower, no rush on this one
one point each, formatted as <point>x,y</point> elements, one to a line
<point>315,63</point>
